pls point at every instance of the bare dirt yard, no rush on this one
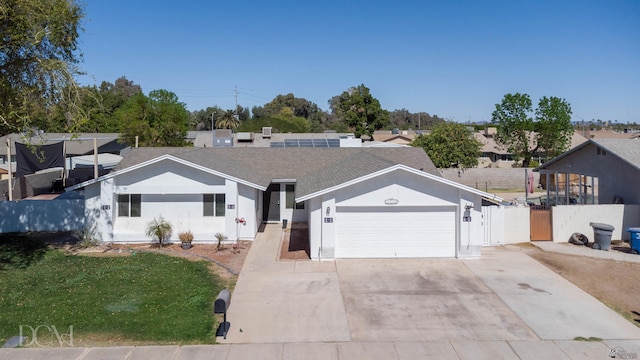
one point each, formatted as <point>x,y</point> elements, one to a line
<point>614,283</point>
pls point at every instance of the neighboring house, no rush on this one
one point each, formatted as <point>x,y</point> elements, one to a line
<point>491,153</point>
<point>400,137</point>
<point>75,144</point>
<point>357,202</point>
<point>80,160</point>
<point>604,171</point>
<point>271,139</point>
<point>607,134</point>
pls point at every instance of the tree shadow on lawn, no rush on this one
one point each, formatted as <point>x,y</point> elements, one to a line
<point>19,250</point>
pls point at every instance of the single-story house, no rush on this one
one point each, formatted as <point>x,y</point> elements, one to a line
<point>598,171</point>
<point>356,202</point>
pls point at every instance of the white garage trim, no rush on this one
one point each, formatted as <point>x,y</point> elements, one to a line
<point>398,231</point>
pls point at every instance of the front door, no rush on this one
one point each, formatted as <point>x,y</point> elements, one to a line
<point>271,203</point>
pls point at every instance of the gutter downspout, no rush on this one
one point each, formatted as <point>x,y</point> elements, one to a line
<point>10,170</point>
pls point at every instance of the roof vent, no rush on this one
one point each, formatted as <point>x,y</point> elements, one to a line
<point>266,132</point>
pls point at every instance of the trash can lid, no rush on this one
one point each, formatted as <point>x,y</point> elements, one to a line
<point>602,226</point>
<point>633,229</point>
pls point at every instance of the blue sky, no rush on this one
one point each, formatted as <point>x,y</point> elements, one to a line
<point>455,59</point>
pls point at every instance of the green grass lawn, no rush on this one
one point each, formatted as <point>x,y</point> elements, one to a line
<point>141,298</point>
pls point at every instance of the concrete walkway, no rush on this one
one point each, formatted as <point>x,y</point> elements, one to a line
<point>570,249</point>
<point>304,317</point>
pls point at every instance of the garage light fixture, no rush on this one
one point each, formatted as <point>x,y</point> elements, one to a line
<point>328,211</point>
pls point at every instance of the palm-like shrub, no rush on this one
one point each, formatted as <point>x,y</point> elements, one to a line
<point>220,237</point>
<point>159,229</point>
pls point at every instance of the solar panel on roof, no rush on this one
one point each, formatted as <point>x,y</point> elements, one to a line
<point>305,142</point>
<point>277,144</point>
<point>333,142</point>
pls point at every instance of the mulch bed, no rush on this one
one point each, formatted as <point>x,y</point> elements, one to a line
<point>295,244</point>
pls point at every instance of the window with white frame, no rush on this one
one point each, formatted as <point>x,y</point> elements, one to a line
<point>213,205</point>
<point>129,205</point>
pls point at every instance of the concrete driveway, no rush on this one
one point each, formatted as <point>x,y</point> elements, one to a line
<point>423,299</point>
<point>503,296</point>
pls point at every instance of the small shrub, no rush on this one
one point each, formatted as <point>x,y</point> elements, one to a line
<point>186,236</point>
<point>220,237</point>
<point>87,236</point>
<point>160,230</point>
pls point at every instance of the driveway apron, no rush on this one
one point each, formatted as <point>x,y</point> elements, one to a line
<point>553,307</point>
<point>285,301</point>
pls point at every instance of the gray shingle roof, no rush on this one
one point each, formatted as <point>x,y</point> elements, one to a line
<point>626,149</point>
<point>314,169</point>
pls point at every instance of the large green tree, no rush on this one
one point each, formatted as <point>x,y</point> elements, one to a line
<point>450,144</point>
<point>158,120</point>
<point>553,125</point>
<point>38,59</point>
<point>205,119</point>
<point>360,111</point>
<point>523,135</point>
<point>98,106</point>
<point>402,118</point>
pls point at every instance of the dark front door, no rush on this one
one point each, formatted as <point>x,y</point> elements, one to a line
<point>271,203</point>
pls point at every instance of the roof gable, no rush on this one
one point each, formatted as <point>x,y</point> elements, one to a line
<point>626,149</point>
<point>371,175</point>
<point>159,159</point>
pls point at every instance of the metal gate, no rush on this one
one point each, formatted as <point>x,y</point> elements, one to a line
<point>540,223</point>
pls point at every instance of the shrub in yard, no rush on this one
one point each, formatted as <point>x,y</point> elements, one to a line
<point>87,236</point>
<point>220,237</point>
<point>159,229</point>
<point>185,236</point>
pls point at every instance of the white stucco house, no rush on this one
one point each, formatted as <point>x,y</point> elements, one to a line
<point>357,202</point>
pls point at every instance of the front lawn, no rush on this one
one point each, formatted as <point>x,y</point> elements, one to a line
<point>139,298</point>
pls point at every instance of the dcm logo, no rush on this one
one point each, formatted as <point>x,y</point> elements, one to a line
<point>46,335</point>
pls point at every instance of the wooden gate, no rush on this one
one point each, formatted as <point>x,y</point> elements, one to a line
<point>540,223</point>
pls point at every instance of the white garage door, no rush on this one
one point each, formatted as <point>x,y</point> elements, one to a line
<point>381,232</point>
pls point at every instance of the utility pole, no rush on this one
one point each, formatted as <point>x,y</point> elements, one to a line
<point>236,90</point>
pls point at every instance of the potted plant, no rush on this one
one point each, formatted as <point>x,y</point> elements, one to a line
<point>220,237</point>
<point>159,229</point>
<point>186,237</point>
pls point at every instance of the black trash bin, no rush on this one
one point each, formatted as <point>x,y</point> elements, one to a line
<point>601,236</point>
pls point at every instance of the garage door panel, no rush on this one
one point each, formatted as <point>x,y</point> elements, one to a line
<point>378,232</point>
